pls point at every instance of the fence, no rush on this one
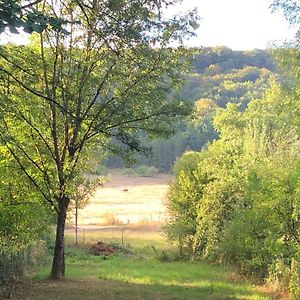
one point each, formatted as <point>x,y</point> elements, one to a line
<point>14,264</point>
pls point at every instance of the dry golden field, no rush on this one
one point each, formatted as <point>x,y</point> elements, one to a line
<point>127,200</point>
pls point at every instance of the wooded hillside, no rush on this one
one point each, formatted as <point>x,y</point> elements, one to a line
<point>218,76</point>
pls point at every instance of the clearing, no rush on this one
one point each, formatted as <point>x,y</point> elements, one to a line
<point>127,200</point>
<point>138,273</point>
<point>148,269</point>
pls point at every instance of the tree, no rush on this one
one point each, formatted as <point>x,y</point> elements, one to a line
<point>183,199</point>
<point>81,198</point>
<point>102,83</point>
<point>290,8</point>
<point>239,202</point>
<point>16,14</point>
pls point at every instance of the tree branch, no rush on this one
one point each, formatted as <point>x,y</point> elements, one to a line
<point>48,199</point>
<point>36,93</point>
<point>31,4</point>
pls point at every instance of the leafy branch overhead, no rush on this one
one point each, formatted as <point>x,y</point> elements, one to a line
<point>15,15</point>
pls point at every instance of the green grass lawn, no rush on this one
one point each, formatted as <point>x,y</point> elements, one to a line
<point>139,275</point>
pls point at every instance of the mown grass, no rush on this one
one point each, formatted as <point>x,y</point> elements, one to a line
<point>147,278</point>
<point>139,275</point>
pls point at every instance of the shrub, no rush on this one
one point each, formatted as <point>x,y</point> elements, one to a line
<point>151,171</point>
<point>279,275</point>
<point>247,243</point>
<point>294,284</point>
<point>121,248</point>
<point>167,256</point>
<point>143,171</point>
<point>128,172</point>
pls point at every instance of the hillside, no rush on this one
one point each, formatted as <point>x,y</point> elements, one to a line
<point>218,76</point>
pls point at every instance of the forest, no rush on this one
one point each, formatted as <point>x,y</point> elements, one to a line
<point>101,85</point>
<point>218,76</point>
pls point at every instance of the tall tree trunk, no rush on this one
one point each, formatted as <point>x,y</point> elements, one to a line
<point>58,263</point>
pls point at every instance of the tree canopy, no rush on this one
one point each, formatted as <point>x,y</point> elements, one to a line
<point>101,84</point>
<point>28,15</point>
<point>218,76</point>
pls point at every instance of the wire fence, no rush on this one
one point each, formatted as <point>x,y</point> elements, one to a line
<point>15,263</point>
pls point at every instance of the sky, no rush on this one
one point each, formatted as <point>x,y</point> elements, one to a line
<point>238,24</point>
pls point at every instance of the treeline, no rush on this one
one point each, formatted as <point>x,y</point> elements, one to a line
<point>219,76</point>
<point>237,201</point>
<point>224,60</point>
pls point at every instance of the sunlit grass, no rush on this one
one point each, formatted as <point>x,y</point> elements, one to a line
<point>147,278</point>
<point>139,275</point>
<point>143,201</point>
<point>139,238</point>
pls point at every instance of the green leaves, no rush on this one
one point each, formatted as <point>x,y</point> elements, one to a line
<point>14,16</point>
<point>100,85</point>
<point>242,191</point>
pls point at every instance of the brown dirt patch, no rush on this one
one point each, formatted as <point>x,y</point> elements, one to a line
<point>101,248</point>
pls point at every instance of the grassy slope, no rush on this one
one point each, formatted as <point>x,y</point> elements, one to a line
<point>138,276</point>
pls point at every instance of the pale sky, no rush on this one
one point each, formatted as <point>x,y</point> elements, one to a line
<point>238,24</point>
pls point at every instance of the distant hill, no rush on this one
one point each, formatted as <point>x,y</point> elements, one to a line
<point>224,75</point>
<point>219,76</point>
<point>226,59</point>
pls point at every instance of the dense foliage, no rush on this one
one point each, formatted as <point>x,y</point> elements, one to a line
<point>105,81</point>
<point>237,201</point>
<point>219,76</point>
<point>24,221</point>
<point>28,15</point>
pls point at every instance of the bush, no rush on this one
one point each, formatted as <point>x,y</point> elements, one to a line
<point>49,242</point>
<point>279,275</point>
<point>121,248</point>
<point>143,171</point>
<point>294,284</point>
<point>167,256</point>
<point>128,172</point>
<point>247,243</point>
<point>183,202</point>
<point>151,172</point>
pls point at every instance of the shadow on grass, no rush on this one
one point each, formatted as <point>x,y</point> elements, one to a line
<point>115,290</point>
<point>137,277</point>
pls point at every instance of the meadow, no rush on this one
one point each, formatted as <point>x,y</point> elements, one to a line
<point>140,273</point>
<point>147,265</point>
<point>127,200</point>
